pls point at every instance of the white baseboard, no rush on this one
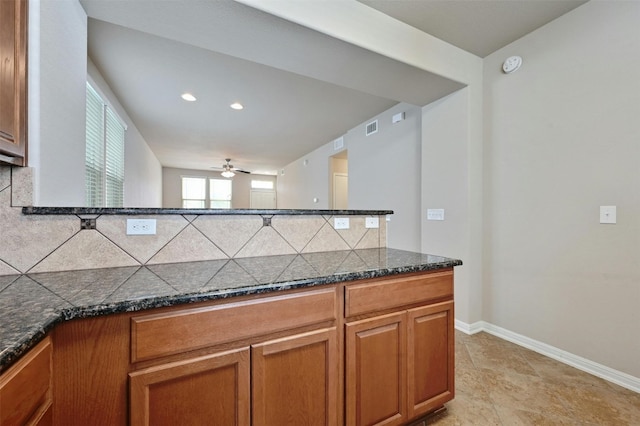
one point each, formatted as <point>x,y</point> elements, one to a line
<point>614,376</point>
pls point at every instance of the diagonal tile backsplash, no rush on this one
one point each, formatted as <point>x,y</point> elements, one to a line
<point>85,250</point>
<point>141,247</point>
<point>38,244</point>
<point>229,233</point>
<point>189,245</point>
<point>327,239</point>
<point>5,177</point>
<point>266,242</point>
<point>26,240</point>
<point>298,230</point>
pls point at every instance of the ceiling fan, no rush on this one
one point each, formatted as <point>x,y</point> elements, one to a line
<point>228,170</point>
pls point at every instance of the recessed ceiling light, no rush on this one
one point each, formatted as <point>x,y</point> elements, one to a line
<point>236,105</point>
<point>188,97</point>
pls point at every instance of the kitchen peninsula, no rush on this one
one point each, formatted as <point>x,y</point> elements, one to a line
<point>359,336</point>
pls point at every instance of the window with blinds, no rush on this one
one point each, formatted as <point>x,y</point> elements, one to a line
<point>104,164</point>
<point>200,192</point>
<point>220,193</point>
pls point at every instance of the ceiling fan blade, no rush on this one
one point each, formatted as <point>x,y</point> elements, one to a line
<point>241,171</point>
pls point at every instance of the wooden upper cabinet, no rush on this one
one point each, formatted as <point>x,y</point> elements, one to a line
<point>13,82</point>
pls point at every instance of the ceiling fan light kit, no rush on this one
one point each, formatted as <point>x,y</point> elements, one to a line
<point>229,171</point>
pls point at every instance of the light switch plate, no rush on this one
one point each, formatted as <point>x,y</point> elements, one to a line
<point>435,214</point>
<point>607,214</point>
<point>341,223</point>
<point>372,222</point>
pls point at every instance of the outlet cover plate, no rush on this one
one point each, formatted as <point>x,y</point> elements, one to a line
<point>608,214</point>
<point>340,223</point>
<point>435,214</point>
<point>372,222</point>
<point>141,227</point>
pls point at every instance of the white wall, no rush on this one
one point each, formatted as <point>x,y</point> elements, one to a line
<point>240,187</point>
<point>402,42</point>
<point>446,185</point>
<point>57,101</point>
<point>142,170</point>
<point>561,139</point>
<point>306,179</point>
<point>384,173</point>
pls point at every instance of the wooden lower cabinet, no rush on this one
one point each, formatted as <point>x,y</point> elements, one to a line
<point>212,389</point>
<point>399,366</point>
<point>287,381</point>
<point>430,358</point>
<point>371,352</point>
<point>376,371</point>
<point>295,380</point>
<point>25,389</point>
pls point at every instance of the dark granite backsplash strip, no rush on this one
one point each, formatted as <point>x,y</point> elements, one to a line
<point>219,212</point>
<point>30,305</point>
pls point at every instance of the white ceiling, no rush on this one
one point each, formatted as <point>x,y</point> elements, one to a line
<point>301,89</point>
<point>477,26</point>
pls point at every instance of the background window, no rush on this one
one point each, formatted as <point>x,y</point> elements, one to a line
<point>261,184</point>
<point>104,158</point>
<point>196,194</point>
<point>220,193</point>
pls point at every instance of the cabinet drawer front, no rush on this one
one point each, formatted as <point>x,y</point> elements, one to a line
<point>395,292</point>
<point>25,388</point>
<point>183,330</point>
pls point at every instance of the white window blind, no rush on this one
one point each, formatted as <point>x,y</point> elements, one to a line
<point>104,166</point>
<point>94,163</point>
<point>200,192</point>
<point>194,192</point>
<point>220,193</point>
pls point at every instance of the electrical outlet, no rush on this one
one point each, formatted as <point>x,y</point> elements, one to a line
<point>435,214</point>
<point>608,214</point>
<point>341,223</point>
<point>372,222</point>
<point>141,227</point>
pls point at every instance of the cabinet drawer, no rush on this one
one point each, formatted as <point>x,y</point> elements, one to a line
<point>183,330</point>
<point>25,387</point>
<point>399,291</point>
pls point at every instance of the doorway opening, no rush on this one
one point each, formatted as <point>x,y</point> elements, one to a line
<point>339,184</point>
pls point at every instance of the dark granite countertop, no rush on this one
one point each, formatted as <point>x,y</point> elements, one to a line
<point>32,304</point>
<point>132,211</point>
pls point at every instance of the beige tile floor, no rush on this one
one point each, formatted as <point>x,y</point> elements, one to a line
<point>500,383</point>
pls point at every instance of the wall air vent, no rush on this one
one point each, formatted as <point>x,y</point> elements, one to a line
<point>372,128</point>
<point>338,143</point>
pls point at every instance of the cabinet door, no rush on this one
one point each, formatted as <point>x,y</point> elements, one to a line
<point>376,371</point>
<point>13,85</point>
<point>212,389</point>
<point>25,389</point>
<point>430,364</point>
<point>295,380</point>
